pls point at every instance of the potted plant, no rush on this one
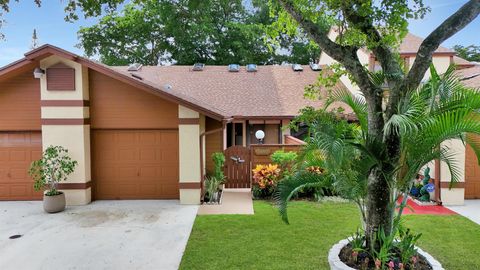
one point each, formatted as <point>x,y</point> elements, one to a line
<point>54,166</point>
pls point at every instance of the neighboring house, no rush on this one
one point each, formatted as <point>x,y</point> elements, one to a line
<point>442,59</point>
<point>147,133</point>
<point>470,77</point>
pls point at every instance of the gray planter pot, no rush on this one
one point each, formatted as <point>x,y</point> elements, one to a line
<point>336,264</point>
<point>54,204</point>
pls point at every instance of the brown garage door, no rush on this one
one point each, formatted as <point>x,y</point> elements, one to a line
<point>17,151</point>
<point>472,175</point>
<point>135,164</point>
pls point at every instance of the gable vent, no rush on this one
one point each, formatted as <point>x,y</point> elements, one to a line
<point>134,67</point>
<point>198,66</point>
<point>234,67</point>
<point>297,67</point>
<point>251,68</point>
<point>315,67</point>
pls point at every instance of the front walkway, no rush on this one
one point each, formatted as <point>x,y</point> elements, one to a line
<point>234,201</point>
<point>102,235</point>
<point>470,210</point>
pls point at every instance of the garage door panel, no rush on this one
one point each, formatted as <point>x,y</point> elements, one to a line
<point>17,151</point>
<point>144,166</point>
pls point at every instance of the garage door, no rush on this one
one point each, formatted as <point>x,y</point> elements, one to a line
<point>135,164</point>
<point>472,175</point>
<point>17,151</point>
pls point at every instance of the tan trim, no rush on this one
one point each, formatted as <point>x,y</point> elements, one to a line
<point>266,117</point>
<point>63,122</point>
<point>74,185</point>
<point>65,103</point>
<point>188,121</point>
<point>189,185</point>
<point>454,185</point>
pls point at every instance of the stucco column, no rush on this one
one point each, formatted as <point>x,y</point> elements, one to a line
<point>455,195</point>
<point>189,130</point>
<point>66,122</point>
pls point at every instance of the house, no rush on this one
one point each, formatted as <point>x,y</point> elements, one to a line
<point>469,186</point>
<point>136,132</point>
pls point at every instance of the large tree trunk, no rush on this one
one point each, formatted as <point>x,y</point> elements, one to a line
<point>379,212</point>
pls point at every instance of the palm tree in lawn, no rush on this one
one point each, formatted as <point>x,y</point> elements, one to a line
<point>442,109</point>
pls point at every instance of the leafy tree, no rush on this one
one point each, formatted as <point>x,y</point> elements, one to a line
<point>185,32</point>
<point>378,26</point>
<point>470,53</point>
<point>440,110</point>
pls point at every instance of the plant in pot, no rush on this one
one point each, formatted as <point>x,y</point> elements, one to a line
<point>54,166</point>
<point>214,183</point>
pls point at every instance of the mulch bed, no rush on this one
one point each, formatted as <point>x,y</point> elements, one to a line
<point>365,261</point>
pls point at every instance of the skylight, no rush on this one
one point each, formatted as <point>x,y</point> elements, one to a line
<point>198,66</point>
<point>251,68</point>
<point>297,67</point>
<point>315,67</point>
<point>134,67</point>
<point>234,67</point>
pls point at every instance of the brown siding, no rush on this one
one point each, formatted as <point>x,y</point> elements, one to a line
<point>116,105</point>
<point>472,175</point>
<point>213,142</point>
<point>20,103</point>
<point>271,134</point>
<point>292,140</point>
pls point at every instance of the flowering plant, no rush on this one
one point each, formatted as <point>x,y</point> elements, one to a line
<point>266,176</point>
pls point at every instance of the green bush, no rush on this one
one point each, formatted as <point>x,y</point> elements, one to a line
<point>54,166</point>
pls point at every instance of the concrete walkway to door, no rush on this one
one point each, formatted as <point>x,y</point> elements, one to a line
<point>470,210</point>
<point>101,235</point>
<point>235,201</point>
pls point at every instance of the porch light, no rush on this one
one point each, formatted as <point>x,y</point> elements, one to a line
<point>260,135</point>
<point>38,73</point>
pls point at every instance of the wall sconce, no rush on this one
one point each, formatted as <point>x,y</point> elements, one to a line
<point>260,135</point>
<point>38,73</point>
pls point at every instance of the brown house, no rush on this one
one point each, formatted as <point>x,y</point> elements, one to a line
<point>137,132</point>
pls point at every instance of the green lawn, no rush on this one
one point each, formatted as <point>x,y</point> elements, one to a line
<point>263,241</point>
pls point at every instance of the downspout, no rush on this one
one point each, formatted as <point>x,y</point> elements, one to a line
<point>438,192</point>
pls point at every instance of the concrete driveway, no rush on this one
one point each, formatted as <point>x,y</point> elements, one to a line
<point>470,210</point>
<point>102,235</point>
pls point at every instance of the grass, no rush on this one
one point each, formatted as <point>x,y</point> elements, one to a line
<point>263,241</point>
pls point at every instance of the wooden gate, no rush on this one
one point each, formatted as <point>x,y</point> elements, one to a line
<point>237,167</point>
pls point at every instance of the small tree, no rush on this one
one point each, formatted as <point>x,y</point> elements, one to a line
<point>54,166</point>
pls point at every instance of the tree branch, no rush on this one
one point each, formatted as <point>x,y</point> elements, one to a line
<point>346,55</point>
<point>448,28</point>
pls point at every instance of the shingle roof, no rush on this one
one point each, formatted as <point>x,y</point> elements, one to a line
<point>272,91</point>
<point>470,76</point>
<point>411,43</point>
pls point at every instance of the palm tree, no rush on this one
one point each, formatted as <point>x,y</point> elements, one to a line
<point>442,109</point>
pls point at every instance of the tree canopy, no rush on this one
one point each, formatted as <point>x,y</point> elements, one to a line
<point>470,53</point>
<point>184,32</point>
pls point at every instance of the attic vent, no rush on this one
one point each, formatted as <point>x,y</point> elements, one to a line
<point>251,68</point>
<point>297,67</point>
<point>198,66</point>
<point>134,67</point>
<point>315,67</point>
<point>234,67</point>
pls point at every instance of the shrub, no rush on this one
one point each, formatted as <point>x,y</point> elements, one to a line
<point>285,160</point>
<point>54,166</point>
<point>218,161</point>
<point>265,178</point>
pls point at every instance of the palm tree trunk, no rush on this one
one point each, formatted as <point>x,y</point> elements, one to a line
<point>379,212</point>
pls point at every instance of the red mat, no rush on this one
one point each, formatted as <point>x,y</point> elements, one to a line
<point>415,209</point>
